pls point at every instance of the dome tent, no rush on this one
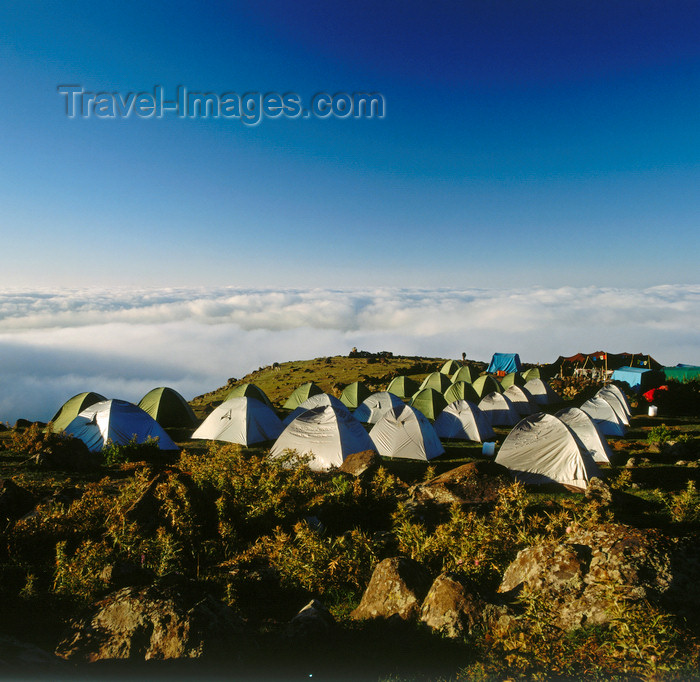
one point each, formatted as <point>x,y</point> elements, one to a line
<point>405,433</point>
<point>300,394</point>
<point>240,420</point>
<point>486,384</point>
<point>541,392</point>
<point>461,390</point>
<point>353,395</point>
<point>326,433</point>
<point>438,381</point>
<point>604,416</point>
<point>249,390</point>
<point>372,408</point>
<point>429,401</point>
<point>623,398</point>
<point>450,367</point>
<point>615,402</point>
<point>402,386</point>
<point>514,378</point>
<point>168,408</point>
<point>462,374</point>
<point>499,410</point>
<point>521,400</point>
<point>530,374</point>
<point>315,401</point>
<point>587,432</point>
<point>118,421</point>
<point>463,420</point>
<point>541,449</point>
<point>72,408</point>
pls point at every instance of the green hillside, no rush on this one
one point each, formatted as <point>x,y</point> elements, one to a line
<point>332,374</point>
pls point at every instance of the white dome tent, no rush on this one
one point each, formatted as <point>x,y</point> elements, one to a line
<point>118,421</point>
<point>587,432</point>
<point>240,420</point>
<point>326,433</point>
<point>463,420</point>
<point>405,433</point>
<point>373,408</point>
<point>541,449</point>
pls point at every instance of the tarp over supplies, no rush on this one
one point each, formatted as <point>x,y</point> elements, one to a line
<point>604,360</point>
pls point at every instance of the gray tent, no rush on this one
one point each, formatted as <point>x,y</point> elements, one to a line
<point>463,420</point>
<point>372,408</point>
<point>405,433</point>
<point>315,401</point>
<point>616,403</point>
<point>541,392</point>
<point>587,432</point>
<point>604,416</point>
<point>521,400</point>
<point>499,410</point>
<point>240,420</point>
<point>326,433</point>
<point>542,449</point>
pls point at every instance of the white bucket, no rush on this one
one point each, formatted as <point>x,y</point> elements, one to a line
<point>653,410</point>
<point>488,449</point>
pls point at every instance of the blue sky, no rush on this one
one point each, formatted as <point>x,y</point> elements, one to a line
<point>524,143</point>
<point>532,188</point>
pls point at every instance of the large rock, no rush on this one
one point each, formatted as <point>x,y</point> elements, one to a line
<point>396,589</point>
<point>451,608</point>
<point>171,619</point>
<point>581,574</point>
<point>473,483</point>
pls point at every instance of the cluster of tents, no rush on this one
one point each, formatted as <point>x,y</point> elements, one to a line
<point>566,447</point>
<point>407,420</point>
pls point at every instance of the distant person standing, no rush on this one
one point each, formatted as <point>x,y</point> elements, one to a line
<point>464,357</point>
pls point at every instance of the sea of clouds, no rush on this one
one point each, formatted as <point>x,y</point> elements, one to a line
<point>122,343</point>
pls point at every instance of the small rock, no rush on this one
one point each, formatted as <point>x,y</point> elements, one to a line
<point>312,622</point>
<point>631,462</point>
<point>599,491</point>
<point>363,463</point>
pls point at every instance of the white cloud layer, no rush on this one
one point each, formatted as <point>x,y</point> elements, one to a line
<point>123,343</point>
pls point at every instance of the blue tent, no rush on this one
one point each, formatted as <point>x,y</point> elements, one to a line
<point>504,362</point>
<point>638,377</point>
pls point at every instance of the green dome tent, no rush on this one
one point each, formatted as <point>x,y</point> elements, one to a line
<point>429,401</point>
<point>72,408</point>
<point>532,373</point>
<point>450,367</point>
<point>249,391</point>
<point>461,390</point>
<point>300,394</point>
<point>436,380</point>
<point>512,379</point>
<point>462,374</point>
<point>168,408</point>
<point>486,384</point>
<point>403,387</point>
<point>353,395</point>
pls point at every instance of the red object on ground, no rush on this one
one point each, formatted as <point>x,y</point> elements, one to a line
<point>651,395</point>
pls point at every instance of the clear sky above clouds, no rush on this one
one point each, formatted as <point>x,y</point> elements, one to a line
<point>524,143</point>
